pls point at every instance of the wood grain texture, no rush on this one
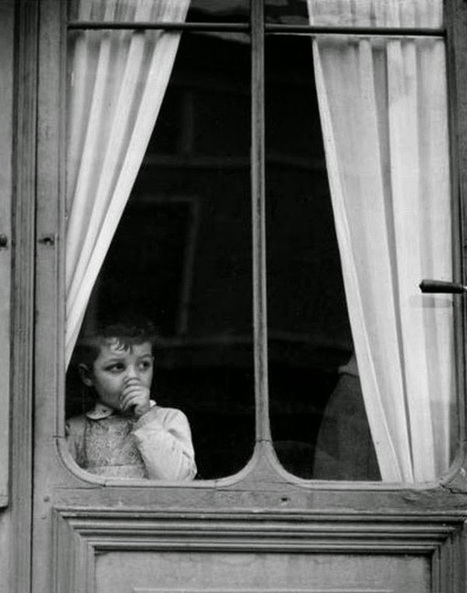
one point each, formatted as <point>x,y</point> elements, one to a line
<point>123,550</point>
<point>6,190</point>
<point>25,25</point>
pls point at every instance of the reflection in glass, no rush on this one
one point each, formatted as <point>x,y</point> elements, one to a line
<point>181,255</point>
<point>286,12</point>
<point>332,418</point>
<point>217,11</point>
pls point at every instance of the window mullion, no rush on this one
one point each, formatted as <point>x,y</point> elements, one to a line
<point>258,222</point>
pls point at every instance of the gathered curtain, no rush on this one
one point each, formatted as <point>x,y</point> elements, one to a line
<point>384,113</point>
<point>118,79</point>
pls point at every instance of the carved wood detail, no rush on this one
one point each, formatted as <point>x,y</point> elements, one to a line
<point>80,536</point>
<point>360,590</point>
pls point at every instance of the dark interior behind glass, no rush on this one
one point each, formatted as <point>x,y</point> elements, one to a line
<point>182,252</point>
<point>182,257</point>
<point>318,421</point>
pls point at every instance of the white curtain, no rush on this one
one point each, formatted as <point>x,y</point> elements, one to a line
<point>117,82</point>
<point>384,113</point>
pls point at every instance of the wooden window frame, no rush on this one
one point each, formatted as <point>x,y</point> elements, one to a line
<point>258,30</point>
<point>6,194</point>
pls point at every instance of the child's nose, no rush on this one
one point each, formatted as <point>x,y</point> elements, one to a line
<point>131,372</point>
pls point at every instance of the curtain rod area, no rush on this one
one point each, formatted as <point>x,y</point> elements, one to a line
<point>169,26</point>
<point>312,30</point>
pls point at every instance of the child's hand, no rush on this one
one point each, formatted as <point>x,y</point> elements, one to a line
<point>136,396</point>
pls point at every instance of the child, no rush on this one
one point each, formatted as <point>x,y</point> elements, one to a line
<point>126,434</point>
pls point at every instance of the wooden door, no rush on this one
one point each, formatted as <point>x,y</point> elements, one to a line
<point>262,529</point>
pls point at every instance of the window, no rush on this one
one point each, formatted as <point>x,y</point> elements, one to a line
<point>280,269</point>
<point>258,516</point>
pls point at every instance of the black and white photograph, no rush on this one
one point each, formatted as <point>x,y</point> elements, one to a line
<point>233,296</point>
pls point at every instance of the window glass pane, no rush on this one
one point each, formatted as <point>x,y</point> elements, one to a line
<point>181,254</point>
<point>160,10</point>
<point>286,12</point>
<point>308,327</point>
<point>219,10</point>
<point>369,360</point>
<point>364,13</point>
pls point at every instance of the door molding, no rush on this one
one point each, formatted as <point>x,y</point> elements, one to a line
<point>80,536</point>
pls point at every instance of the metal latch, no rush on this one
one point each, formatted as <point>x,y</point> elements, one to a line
<point>441,286</point>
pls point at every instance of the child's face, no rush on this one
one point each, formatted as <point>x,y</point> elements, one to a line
<point>115,367</point>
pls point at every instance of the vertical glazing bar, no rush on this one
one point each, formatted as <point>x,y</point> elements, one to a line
<point>258,220</point>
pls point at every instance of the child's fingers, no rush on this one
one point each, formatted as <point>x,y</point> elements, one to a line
<point>134,389</point>
<point>134,386</point>
<point>134,397</point>
<point>129,396</point>
<point>132,381</point>
<point>138,402</point>
<point>134,393</point>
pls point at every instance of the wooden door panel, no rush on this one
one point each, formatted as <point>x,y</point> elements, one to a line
<point>117,551</point>
<point>259,572</point>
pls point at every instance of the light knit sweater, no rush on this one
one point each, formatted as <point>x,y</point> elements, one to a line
<point>156,446</point>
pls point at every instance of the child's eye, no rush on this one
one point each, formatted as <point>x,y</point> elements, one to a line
<point>145,365</point>
<point>115,368</point>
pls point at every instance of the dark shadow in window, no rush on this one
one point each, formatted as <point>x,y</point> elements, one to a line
<point>318,420</point>
<point>182,253</point>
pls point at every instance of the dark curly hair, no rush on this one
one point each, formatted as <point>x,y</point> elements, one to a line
<point>128,333</point>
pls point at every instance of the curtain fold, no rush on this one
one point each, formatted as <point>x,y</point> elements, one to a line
<point>383,106</point>
<point>117,83</point>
